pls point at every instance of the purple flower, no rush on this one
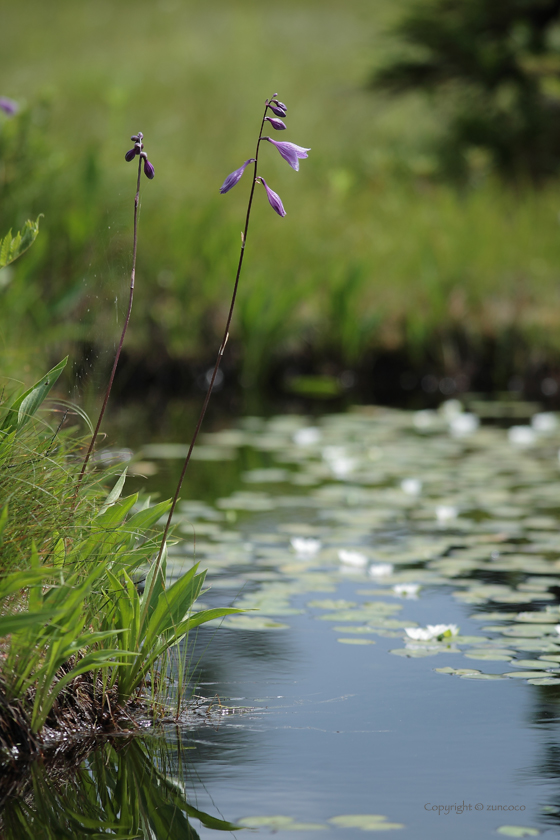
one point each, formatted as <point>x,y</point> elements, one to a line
<point>280,112</point>
<point>148,169</point>
<point>277,124</point>
<point>289,151</point>
<point>232,179</point>
<point>273,198</point>
<point>131,154</point>
<point>9,106</point>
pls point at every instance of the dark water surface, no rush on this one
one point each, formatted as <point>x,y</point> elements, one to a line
<point>340,535</point>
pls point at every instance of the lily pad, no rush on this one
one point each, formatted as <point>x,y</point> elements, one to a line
<point>366,822</point>
<point>356,641</point>
<point>331,604</point>
<point>482,677</point>
<point>532,663</point>
<point>521,675</point>
<point>247,622</point>
<point>489,655</point>
<point>279,823</point>
<point>518,831</point>
<point>544,681</point>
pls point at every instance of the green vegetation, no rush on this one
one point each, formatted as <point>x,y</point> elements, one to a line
<point>375,253</point>
<point>79,641</point>
<point>495,68</point>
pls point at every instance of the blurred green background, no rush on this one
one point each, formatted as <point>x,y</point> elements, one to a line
<point>380,256</point>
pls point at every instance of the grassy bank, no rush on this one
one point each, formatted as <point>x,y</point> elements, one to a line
<point>87,621</point>
<point>375,253</point>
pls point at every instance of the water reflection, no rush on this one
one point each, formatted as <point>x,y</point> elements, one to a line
<point>123,788</point>
<point>463,512</point>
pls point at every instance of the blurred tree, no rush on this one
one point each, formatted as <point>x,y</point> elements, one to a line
<point>495,67</point>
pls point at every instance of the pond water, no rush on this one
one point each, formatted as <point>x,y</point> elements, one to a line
<point>398,669</point>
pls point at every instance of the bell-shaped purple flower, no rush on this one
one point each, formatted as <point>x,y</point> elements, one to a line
<point>9,106</point>
<point>274,199</point>
<point>289,151</point>
<point>232,179</point>
<point>279,125</point>
<point>149,171</point>
<point>131,154</point>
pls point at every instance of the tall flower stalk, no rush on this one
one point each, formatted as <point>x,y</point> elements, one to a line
<point>143,163</point>
<point>292,154</point>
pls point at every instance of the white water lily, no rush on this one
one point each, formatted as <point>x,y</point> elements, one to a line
<point>444,513</point>
<point>431,632</point>
<point>305,546</point>
<point>522,435</point>
<point>462,425</point>
<point>380,570</point>
<point>352,558</point>
<point>407,590</point>
<point>411,486</point>
<point>545,422</point>
<point>307,436</point>
<point>557,628</point>
<point>339,461</point>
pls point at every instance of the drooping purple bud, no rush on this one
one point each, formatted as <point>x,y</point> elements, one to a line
<point>232,179</point>
<point>148,169</point>
<point>9,106</point>
<point>130,155</point>
<point>280,112</point>
<point>274,199</point>
<point>281,105</point>
<point>277,124</point>
<point>291,153</point>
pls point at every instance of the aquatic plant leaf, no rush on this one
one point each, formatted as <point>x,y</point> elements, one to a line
<point>246,622</point>
<point>532,663</point>
<point>356,641</point>
<point>490,656</point>
<point>518,831</point>
<point>366,822</point>
<point>482,677</point>
<point>544,681</point>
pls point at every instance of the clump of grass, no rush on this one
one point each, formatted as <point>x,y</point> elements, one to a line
<point>79,641</point>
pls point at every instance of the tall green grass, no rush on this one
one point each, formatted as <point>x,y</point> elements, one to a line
<point>80,642</point>
<point>374,253</point>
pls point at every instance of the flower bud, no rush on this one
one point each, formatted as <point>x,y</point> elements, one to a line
<point>273,198</point>
<point>148,169</point>
<point>279,125</point>
<point>9,106</point>
<point>280,112</point>
<point>235,176</point>
<point>130,155</point>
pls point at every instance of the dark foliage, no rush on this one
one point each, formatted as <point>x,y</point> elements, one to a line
<point>495,67</point>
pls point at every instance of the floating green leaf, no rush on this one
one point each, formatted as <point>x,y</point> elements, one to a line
<point>366,822</point>
<point>356,641</point>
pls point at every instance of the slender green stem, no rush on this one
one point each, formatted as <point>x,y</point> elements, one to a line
<point>125,327</point>
<point>218,359</point>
